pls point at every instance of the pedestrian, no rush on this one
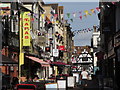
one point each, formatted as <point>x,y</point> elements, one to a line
<point>84,77</point>
<point>14,82</point>
<point>30,80</point>
<point>36,79</point>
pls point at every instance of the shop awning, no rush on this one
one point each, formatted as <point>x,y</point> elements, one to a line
<point>43,63</point>
<point>59,63</point>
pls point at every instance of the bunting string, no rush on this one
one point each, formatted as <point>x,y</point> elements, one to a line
<point>86,30</point>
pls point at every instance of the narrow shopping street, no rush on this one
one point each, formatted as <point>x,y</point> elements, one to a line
<point>59,45</point>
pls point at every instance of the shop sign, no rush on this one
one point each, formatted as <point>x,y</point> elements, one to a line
<point>51,86</point>
<point>61,48</point>
<point>55,52</point>
<point>26,29</point>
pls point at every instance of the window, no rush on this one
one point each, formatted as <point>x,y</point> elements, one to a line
<point>84,59</point>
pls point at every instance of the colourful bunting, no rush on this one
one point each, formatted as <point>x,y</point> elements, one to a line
<point>86,13</point>
<point>86,30</point>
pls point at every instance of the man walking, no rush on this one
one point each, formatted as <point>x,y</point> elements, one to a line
<point>84,77</point>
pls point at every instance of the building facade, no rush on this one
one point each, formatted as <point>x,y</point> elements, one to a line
<point>109,44</point>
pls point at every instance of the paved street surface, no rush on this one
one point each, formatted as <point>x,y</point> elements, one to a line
<point>92,85</point>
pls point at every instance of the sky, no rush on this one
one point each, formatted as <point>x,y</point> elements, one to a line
<point>70,0</point>
<point>70,6</point>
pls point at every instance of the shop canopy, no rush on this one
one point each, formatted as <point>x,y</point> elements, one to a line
<point>43,63</point>
<point>60,63</point>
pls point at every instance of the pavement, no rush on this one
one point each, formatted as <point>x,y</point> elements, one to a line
<point>91,85</point>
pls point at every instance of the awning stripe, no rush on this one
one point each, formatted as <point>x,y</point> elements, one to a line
<point>43,63</point>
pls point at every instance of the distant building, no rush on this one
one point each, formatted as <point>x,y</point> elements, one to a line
<point>82,58</point>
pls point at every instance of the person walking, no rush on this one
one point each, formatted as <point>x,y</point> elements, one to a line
<point>84,77</point>
<point>14,82</point>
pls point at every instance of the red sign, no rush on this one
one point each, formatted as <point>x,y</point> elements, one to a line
<point>61,48</point>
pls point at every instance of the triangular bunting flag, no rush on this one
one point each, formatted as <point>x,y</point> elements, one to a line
<point>71,20</point>
<point>92,10</point>
<point>90,14</point>
<point>68,15</point>
<point>42,15</point>
<point>98,9</point>
<point>85,15</point>
<point>81,17</point>
<point>86,12</point>
<point>89,29</point>
<point>74,14</point>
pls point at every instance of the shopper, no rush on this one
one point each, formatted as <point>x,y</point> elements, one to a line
<point>84,77</point>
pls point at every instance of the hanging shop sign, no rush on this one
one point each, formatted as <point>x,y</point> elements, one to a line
<point>61,48</point>
<point>71,81</point>
<point>26,29</point>
<point>55,52</point>
<point>47,49</point>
